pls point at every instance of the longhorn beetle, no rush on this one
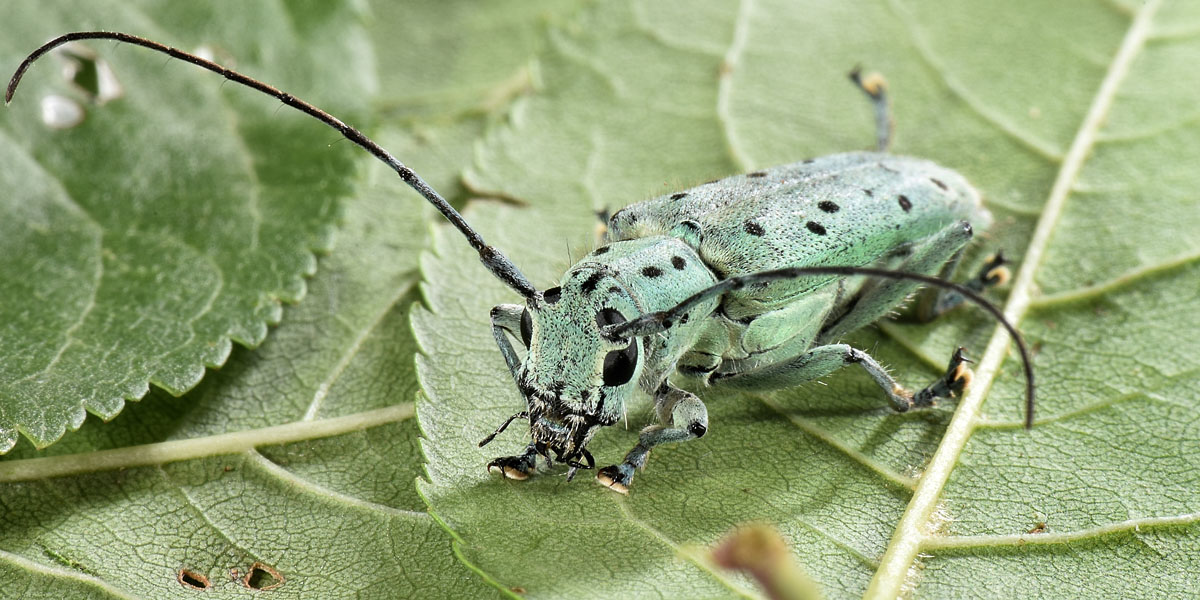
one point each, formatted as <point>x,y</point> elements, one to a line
<point>744,283</point>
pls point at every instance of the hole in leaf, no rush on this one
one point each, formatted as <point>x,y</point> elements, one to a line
<point>60,112</point>
<point>89,73</point>
<point>262,577</point>
<point>191,579</point>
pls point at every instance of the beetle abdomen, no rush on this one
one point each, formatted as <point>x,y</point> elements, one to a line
<point>849,209</point>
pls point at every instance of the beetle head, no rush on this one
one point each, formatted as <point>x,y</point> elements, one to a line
<point>574,379</point>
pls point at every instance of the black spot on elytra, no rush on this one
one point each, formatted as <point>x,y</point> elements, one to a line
<point>552,295</point>
<point>684,318</point>
<point>757,174</point>
<point>939,183</point>
<point>584,395</point>
<point>600,250</point>
<point>678,263</point>
<point>589,285</point>
<point>753,228</point>
<point>809,161</point>
<point>829,207</point>
<point>869,193</point>
<point>815,227</point>
<point>679,196</point>
<point>614,290</point>
<point>905,203</point>
<point>651,271</point>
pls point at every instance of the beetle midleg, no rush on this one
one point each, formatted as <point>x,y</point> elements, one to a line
<point>682,417</point>
<point>879,297</point>
<point>506,319</point>
<point>812,365</point>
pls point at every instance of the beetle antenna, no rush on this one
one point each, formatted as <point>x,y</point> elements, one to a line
<point>662,320</point>
<point>495,261</point>
<point>500,429</point>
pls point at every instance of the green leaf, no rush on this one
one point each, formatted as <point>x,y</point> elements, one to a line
<point>300,455</point>
<point>1077,122</point>
<point>135,245</point>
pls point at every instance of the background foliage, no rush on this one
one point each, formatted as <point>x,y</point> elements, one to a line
<point>139,244</point>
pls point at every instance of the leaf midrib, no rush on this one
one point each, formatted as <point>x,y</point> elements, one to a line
<point>908,539</point>
<point>212,445</point>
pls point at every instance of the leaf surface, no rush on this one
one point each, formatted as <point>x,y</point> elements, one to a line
<point>1090,183</point>
<point>137,244</point>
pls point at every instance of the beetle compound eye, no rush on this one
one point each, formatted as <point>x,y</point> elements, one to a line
<point>609,316</point>
<point>526,327</point>
<point>619,365</point>
<point>552,295</point>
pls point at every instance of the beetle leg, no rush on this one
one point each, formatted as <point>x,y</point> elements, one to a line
<point>877,298</point>
<point>823,360</point>
<point>875,87</point>
<point>518,467</point>
<point>935,302</point>
<point>682,417</point>
<point>506,319</point>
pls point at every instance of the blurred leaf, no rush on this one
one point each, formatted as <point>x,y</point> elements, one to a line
<point>137,244</point>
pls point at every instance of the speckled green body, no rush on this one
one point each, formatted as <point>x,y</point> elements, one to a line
<point>855,209</point>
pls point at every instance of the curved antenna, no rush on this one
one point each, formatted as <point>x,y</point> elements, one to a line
<point>493,259</point>
<point>655,322</point>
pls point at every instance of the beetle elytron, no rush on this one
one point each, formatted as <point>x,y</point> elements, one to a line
<point>742,283</point>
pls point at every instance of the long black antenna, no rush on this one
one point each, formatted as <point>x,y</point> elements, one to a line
<point>651,323</point>
<point>493,259</point>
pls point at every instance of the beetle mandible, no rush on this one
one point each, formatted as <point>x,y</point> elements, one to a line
<point>743,283</point>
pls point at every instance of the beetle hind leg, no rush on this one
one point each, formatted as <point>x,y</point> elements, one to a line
<point>933,303</point>
<point>951,385</point>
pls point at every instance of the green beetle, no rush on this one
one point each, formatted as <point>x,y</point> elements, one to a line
<point>747,283</point>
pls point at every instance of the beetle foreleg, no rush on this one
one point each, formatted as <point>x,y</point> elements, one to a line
<point>506,319</point>
<point>517,467</point>
<point>682,417</point>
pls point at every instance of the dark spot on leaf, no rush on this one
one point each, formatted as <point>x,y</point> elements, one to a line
<point>753,228</point>
<point>679,196</point>
<point>651,271</point>
<point>262,577</point>
<point>191,579</point>
<point>829,207</point>
<point>678,263</point>
<point>815,227</point>
<point>905,203</point>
